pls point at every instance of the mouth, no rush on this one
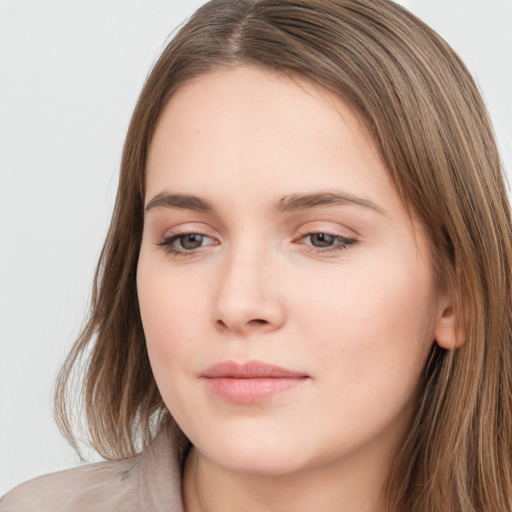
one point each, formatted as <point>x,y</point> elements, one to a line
<point>250,382</point>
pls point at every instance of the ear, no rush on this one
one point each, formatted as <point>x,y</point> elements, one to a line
<point>450,331</point>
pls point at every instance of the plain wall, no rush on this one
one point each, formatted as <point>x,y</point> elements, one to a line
<point>70,73</point>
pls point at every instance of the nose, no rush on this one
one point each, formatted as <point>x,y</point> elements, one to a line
<point>248,297</point>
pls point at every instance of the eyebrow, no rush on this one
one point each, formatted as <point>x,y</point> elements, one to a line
<point>286,204</point>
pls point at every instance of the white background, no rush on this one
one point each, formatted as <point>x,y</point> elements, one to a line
<point>70,73</point>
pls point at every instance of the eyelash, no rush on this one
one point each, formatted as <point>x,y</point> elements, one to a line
<point>343,243</point>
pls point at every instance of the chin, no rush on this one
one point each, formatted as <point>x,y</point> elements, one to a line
<point>256,457</point>
<point>262,464</point>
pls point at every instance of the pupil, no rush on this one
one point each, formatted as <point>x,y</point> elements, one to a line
<point>192,241</point>
<point>322,239</point>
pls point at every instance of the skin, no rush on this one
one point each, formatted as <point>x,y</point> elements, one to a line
<point>359,322</point>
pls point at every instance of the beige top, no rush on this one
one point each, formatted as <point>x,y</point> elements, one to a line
<point>149,482</point>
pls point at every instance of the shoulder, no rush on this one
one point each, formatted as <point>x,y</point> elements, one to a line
<point>105,486</point>
<point>148,482</point>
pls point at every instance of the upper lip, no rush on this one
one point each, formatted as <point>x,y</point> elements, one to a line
<point>250,370</point>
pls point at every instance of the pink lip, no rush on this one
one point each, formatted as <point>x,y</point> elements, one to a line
<point>250,382</point>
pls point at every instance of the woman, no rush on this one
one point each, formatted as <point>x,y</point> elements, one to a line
<point>303,302</point>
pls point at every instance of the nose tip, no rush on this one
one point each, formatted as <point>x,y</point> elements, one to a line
<point>245,301</point>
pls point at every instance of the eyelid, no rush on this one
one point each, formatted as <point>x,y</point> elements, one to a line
<point>199,228</point>
<point>328,227</point>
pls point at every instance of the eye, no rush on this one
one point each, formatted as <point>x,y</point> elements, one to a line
<point>185,244</point>
<point>322,243</point>
<point>190,241</point>
<point>188,244</point>
<point>322,239</point>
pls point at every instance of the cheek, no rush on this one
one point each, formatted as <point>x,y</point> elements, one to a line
<point>172,313</point>
<point>172,328</point>
<point>370,324</point>
<point>367,340</point>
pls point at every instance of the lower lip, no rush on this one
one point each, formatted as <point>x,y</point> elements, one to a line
<point>249,391</point>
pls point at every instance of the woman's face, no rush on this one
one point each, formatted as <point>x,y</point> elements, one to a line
<point>274,236</point>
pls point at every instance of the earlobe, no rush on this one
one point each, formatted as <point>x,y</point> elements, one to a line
<point>449,331</point>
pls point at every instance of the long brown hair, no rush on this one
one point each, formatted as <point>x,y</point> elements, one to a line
<point>432,127</point>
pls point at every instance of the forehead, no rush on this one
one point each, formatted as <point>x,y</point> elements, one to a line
<point>253,97</point>
<point>255,131</point>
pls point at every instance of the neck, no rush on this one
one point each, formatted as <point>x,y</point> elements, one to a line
<point>348,486</point>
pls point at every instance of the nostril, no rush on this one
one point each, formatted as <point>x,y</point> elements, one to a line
<point>220,323</point>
